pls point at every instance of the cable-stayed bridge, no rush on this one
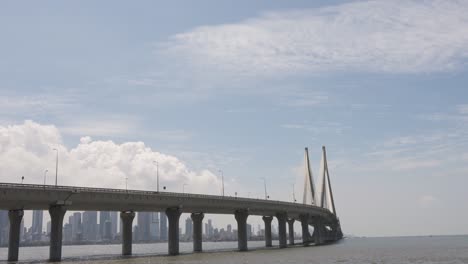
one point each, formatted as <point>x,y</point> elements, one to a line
<point>317,210</point>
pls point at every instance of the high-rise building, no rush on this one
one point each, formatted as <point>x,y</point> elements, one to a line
<point>22,230</point>
<point>49,226</point>
<point>154,226</point>
<point>144,220</point>
<point>163,226</point>
<point>210,228</point>
<point>249,231</point>
<point>76,227</point>
<point>36,231</point>
<point>67,232</point>
<point>89,226</point>
<point>188,228</point>
<point>103,217</point>
<point>4,226</point>
<point>114,221</point>
<point>107,230</point>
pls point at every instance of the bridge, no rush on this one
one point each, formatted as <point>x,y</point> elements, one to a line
<point>316,210</point>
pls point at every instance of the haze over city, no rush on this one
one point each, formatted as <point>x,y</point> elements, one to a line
<point>240,92</point>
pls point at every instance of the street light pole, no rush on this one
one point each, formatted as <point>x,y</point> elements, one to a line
<point>294,194</point>
<point>222,179</point>
<point>45,175</point>
<point>56,166</point>
<point>157,175</point>
<point>264,186</point>
<point>183,187</point>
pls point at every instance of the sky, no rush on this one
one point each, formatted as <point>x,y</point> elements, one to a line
<point>244,87</point>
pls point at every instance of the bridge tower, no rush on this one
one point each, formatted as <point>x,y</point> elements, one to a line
<point>325,194</point>
<point>309,188</point>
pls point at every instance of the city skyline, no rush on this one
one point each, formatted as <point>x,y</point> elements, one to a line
<point>82,227</point>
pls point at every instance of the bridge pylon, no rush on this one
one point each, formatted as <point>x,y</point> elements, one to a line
<point>309,188</point>
<point>325,194</point>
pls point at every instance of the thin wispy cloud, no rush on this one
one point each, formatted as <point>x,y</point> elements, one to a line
<point>369,36</point>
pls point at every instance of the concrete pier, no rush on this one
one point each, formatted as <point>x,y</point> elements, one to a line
<point>268,240</point>
<point>197,219</point>
<point>319,231</point>
<point>173,215</point>
<point>241,218</point>
<point>126,220</point>
<point>305,229</point>
<point>291,231</point>
<point>56,213</point>
<point>15,217</point>
<point>282,217</point>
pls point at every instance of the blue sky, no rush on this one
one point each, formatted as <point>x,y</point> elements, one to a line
<point>244,88</point>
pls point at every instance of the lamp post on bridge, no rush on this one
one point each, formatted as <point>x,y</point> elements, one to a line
<point>264,186</point>
<point>222,180</point>
<point>45,175</point>
<point>56,166</point>
<point>294,193</point>
<point>157,175</point>
<point>183,187</point>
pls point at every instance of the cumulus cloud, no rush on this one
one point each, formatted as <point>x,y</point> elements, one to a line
<point>27,150</point>
<point>427,201</point>
<point>374,36</point>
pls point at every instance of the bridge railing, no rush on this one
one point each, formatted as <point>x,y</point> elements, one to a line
<point>144,192</point>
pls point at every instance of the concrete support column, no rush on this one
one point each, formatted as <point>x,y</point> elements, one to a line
<point>173,215</point>
<point>268,240</point>
<point>282,217</point>
<point>15,217</point>
<point>126,220</point>
<point>241,218</point>
<point>305,229</point>
<point>56,213</point>
<point>318,231</point>
<point>197,219</point>
<point>291,231</point>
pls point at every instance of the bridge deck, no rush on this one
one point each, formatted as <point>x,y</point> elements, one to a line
<point>30,197</point>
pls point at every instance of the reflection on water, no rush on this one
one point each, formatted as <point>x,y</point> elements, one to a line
<point>449,249</point>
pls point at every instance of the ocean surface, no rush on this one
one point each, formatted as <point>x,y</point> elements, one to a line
<point>421,250</point>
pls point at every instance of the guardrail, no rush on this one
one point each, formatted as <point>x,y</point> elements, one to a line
<point>143,192</point>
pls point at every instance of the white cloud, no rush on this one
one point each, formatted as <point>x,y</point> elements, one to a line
<point>26,149</point>
<point>463,109</point>
<point>375,36</point>
<point>427,201</point>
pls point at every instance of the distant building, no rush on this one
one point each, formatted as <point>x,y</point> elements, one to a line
<point>249,231</point>
<point>188,228</point>
<point>90,226</point>
<point>210,230</point>
<point>36,232</point>
<point>114,221</point>
<point>49,225</point>
<point>103,217</point>
<point>107,230</point>
<point>67,232</point>
<point>154,227</point>
<point>4,228</point>
<point>144,220</point>
<point>163,226</point>
<point>76,227</point>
